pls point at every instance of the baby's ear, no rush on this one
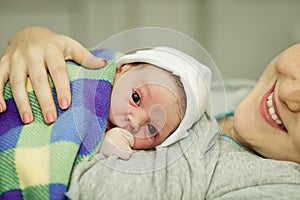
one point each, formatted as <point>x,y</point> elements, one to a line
<point>123,68</point>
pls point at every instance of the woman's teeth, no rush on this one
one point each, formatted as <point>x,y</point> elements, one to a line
<point>272,112</point>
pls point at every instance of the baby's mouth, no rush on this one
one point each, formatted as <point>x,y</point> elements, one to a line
<point>273,115</point>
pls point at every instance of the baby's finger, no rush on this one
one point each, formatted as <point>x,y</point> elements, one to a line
<point>4,71</point>
<point>18,76</point>
<point>81,55</point>
<point>58,71</point>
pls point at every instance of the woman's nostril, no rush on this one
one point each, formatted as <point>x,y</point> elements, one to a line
<point>289,94</point>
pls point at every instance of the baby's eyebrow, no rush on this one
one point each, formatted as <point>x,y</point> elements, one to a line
<point>146,91</point>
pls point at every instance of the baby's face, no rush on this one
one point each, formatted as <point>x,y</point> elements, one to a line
<point>144,102</point>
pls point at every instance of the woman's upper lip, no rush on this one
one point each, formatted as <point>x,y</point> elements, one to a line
<point>276,123</point>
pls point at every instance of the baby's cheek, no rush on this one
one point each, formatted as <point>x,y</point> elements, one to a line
<point>158,116</point>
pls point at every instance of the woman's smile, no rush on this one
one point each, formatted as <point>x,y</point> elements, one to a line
<point>268,119</point>
<point>269,110</point>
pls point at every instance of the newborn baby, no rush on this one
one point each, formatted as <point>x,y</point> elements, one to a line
<point>158,94</point>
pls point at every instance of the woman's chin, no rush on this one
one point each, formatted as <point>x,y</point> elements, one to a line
<point>244,123</point>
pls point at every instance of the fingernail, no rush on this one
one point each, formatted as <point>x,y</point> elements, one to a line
<point>50,117</point>
<point>94,62</point>
<point>103,60</point>
<point>64,103</point>
<point>26,118</point>
<point>1,108</point>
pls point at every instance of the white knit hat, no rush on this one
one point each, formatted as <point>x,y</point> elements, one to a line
<point>195,77</point>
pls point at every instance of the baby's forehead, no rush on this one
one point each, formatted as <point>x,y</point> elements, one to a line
<point>149,72</point>
<point>146,67</point>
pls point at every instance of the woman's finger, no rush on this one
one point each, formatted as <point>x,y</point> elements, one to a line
<point>75,51</point>
<point>57,68</point>
<point>18,79</point>
<point>41,86</point>
<point>4,71</point>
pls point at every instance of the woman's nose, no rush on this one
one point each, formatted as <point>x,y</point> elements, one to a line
<point>289,94</point>
<point>137,119</point>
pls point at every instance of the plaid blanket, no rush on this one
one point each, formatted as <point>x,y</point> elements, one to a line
<point>36,160</point>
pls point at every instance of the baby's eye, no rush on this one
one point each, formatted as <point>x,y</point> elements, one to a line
<point>152,129</point>
<point>136,98</point>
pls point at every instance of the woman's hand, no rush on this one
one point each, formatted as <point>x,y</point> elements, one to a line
<point>35,52</point>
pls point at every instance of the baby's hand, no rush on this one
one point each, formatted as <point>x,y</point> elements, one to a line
<point>117,142</point>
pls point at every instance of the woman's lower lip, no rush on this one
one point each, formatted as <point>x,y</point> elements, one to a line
<point>264,109</point>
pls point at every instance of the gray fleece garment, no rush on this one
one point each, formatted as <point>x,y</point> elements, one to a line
<point>200,166</point>
<point>240,174</point>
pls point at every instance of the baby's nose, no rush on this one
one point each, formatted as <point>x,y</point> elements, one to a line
<point>138,119</point>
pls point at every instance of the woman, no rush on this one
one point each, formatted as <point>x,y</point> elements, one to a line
<point>227,170</point>
<point>270,126</point>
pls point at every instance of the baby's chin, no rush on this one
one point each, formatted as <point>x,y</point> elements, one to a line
<point>144,143</point>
